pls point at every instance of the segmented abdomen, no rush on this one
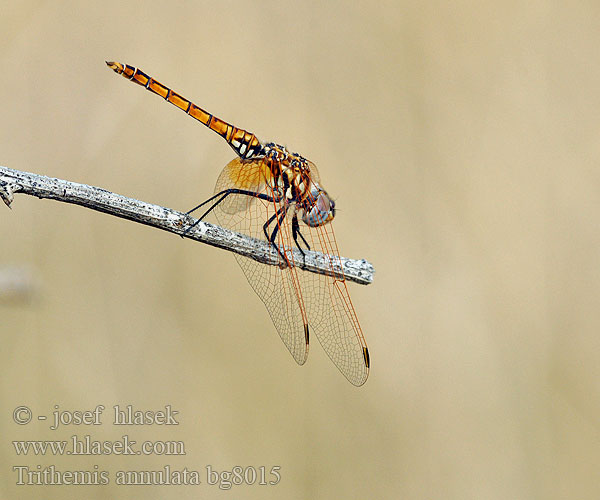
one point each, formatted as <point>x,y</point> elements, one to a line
<point>244,143</point>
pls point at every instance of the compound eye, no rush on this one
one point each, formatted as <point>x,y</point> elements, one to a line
<point>320,210</point>
<point>323,203</point>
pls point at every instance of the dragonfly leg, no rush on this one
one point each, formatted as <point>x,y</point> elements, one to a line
<point>267,224</point>
<point>223,195</point>
<point>271,239</point>
<point>295,233</point>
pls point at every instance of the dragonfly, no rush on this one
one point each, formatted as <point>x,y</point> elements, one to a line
<point>273,194</point>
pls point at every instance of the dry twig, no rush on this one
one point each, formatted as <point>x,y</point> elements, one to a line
<point>15,181</point>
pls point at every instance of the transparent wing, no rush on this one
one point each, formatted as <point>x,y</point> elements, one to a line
<point>330,311</point>
<point>294,298</point>
<point>278,288</point>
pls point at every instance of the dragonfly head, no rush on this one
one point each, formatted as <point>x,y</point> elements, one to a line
<point>319,208</point>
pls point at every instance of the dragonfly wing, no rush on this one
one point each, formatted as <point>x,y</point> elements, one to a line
<point>279,292</point>
<point>331,314</point>
<point>278,288</point>
<point>239,174</point>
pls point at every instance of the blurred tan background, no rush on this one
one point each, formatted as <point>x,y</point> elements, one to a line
<point>462,143</point>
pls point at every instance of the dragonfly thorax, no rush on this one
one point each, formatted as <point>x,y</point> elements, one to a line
<point>290,173</point>
<point>293,181</point>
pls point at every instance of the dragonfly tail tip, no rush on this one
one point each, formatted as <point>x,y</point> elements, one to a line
<point>112,65</point>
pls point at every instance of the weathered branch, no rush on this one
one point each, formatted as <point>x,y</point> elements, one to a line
<point>15,181</point>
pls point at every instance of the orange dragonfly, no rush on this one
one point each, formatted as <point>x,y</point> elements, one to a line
<point>264,193</point>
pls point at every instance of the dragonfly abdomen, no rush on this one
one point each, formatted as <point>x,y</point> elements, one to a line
<point>244,143</point>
